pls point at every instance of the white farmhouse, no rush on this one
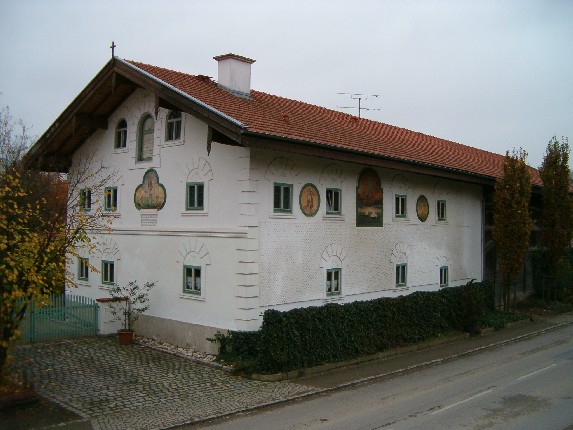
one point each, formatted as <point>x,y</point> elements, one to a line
<point>236,201</point>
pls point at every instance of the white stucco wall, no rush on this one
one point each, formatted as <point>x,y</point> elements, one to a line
<point>296,250</point>
<point>212,239</point>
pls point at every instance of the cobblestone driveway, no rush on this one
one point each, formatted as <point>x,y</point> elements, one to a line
<point>136,387</point>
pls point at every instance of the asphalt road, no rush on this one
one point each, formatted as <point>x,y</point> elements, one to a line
<point>523,385</point>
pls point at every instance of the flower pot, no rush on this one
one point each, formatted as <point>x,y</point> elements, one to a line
<point>125,337</point>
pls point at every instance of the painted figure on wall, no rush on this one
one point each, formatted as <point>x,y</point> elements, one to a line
<point>422,208</point>
<point>369,200</point>
<point>150,194</point>
<point>309,200</point>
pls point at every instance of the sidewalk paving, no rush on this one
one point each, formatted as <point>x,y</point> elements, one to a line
<point>96,383</point>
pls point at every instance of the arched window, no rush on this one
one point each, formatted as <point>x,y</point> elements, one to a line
<point>145,138</point>
<point>173,127</point>
<point>121,134</point>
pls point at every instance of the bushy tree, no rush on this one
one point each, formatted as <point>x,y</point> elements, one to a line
<point>41,223</point>
<point>512,221</point>
<point>557,213</point>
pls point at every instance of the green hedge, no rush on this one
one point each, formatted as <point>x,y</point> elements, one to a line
<point>311,336</point>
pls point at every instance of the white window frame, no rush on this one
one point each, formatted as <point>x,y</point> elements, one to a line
<point>401,275</point>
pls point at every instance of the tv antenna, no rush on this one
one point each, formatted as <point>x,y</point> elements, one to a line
<point>359,97</point>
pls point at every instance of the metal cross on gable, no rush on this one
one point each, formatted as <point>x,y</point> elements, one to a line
<point>113,45</point>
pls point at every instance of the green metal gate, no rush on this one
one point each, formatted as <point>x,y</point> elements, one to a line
<point>63,316</point>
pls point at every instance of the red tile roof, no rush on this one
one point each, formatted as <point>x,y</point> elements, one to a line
<point>275,116</point>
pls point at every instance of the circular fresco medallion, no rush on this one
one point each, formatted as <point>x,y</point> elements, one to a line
<point>422,208</point>
<point>309,200</point>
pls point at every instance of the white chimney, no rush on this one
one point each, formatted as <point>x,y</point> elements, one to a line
<point>235,73</point>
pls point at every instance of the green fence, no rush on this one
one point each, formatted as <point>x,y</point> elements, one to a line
<point>63,316</point>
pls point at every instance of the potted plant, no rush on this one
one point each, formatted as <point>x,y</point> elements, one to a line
<point>128,303</point>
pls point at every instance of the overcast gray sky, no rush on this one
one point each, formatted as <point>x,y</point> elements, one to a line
<point>489,74</point>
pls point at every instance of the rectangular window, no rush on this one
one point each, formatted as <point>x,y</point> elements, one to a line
<point>282,198</point>
<point>173,130</point>
<point>108,272</point>
<point>444,276</point>
<point>86,199</point>
<point>192,279</point>
<point>83,269</point>
<point>110,199</point>
<point>400,206</point>
<point>333,281</point>
<point>333,203</point>
<point>441,210</point>
<point>401,272</point>
<point>121,134</point>
<point>195,196</point>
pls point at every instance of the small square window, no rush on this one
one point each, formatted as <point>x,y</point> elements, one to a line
<point>86,199</point>
<point>333,202</point>
<point>121,134</point>
<point>110,199</point>
<point>401,273</point>
<point>192,280</point>
<point>441,210</point>
<point>108,272</point>
<point>282,198</point>
<point>83,269</point>
<point>173,129</point>
<point>195,196</point>
<point>333,281</point>
<point>444,276</point>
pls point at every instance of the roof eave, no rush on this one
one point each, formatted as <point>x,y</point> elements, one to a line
<point>299,146</point>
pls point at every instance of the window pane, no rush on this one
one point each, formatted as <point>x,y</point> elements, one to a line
<point>336,201</point>
<point>192,196</point>
<point>198,279</point>
<point>286,197</point>
<point>189,278</point>
<point>199,196</point>
<point>329,200</point>
<point>277,197</point>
